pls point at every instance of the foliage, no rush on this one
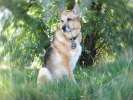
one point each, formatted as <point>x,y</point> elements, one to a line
<point>27,27</point>
<point>24,31</point>
<point>109,24</point>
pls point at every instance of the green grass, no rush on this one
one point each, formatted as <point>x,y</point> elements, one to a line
<point>111,81</point>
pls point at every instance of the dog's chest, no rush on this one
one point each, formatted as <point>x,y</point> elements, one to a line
<point>75,54</point>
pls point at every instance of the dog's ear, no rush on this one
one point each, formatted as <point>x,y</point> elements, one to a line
<point>76,9</point>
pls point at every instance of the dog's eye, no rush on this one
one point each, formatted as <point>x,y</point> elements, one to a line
<point>69,19</point>
<point>62,21</point>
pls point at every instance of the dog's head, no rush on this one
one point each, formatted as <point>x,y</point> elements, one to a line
<point>70,22</point>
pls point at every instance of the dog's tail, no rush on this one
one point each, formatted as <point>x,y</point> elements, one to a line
<point>44,76</point>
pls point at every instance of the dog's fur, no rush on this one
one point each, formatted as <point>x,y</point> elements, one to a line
<point>61,57</point>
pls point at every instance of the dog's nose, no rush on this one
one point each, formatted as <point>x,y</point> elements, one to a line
<point>66,28</point>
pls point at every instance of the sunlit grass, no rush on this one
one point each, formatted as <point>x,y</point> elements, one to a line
<point>112,81</point>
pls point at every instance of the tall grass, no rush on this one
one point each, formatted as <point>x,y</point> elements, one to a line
<point>112,81</point>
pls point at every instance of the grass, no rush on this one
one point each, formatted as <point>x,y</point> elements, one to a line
<point>111,81</point>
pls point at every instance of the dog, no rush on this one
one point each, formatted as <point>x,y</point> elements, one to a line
<point>65,49</point>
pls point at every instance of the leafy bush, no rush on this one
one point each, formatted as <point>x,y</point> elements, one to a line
<point>27,27</point>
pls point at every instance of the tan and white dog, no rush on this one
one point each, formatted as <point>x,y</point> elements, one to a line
<point>65,50</point>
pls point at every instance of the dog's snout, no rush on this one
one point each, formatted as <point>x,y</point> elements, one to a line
<point>66,28</point>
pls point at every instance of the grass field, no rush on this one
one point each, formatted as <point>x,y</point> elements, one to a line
<point>111,81</point>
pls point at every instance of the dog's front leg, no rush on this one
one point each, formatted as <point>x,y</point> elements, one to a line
<point>71,77</point>
<point>70,74</point>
